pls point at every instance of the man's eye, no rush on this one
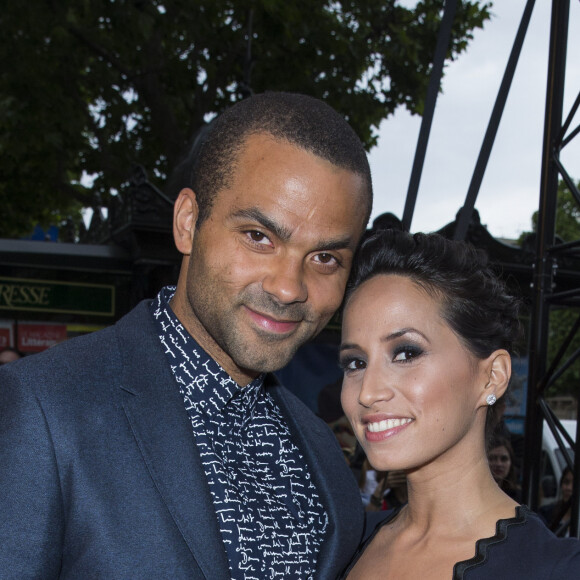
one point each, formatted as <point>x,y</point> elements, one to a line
<point>257,237</point>
<point>327,261</point>
<point>325,258</point>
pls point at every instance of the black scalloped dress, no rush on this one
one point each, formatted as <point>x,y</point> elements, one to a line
<point>521,549</point>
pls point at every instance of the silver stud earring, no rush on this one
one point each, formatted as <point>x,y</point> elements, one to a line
<point>491,399</point>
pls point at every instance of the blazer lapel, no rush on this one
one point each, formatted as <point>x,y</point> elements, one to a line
<point>163,432</point>
<point>337,492</point>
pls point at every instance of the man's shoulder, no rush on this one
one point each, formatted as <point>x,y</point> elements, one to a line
<point>92,354</point>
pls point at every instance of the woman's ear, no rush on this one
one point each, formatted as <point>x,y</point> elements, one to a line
<point>498,368</point>
<point>185,214</point>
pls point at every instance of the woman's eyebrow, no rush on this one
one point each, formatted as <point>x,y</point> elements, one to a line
<point>386,338</point>
<point>402,332</point>
<point>347,346</point>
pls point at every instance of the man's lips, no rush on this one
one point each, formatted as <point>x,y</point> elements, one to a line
<point>272,324</point>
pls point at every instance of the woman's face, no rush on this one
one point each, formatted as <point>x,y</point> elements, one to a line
<point>567,485</point>
<point>499,462</point>
<point>411,389</point>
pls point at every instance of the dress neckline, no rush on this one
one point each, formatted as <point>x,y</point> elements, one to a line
<point>481,545</point>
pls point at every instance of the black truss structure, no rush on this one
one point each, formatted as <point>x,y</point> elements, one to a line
<point>552,255</point>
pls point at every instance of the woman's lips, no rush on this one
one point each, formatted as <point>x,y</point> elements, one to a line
<point>378,429</point>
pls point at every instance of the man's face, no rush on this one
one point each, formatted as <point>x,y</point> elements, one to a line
<point>267,269</point>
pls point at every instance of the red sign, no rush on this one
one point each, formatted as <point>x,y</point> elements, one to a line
<point>37,337</point>
<point>4,337</point>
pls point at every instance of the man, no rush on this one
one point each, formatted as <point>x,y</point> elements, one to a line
<point>160,447</point>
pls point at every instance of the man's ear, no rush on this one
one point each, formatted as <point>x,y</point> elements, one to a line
<point>185,212</point>
<point>498,368</point>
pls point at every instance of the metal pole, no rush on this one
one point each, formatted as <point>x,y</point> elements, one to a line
<point>467,210</point>
<point>430,101</point>
<point>543,268</point>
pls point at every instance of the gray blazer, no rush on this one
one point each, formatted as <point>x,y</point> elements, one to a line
<point>100,477</point>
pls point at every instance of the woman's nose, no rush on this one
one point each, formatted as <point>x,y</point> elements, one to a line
<point>375,387</point>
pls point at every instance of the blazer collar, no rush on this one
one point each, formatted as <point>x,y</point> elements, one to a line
<point>163,432</point>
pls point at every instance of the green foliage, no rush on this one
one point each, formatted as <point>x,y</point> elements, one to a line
<point>561,322</point>
<point>567,216</point>
<point>563,319</point>
<point>90,87</point>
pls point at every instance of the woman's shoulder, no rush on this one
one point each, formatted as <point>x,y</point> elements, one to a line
<point>522,548</point>
<point>547,511</point>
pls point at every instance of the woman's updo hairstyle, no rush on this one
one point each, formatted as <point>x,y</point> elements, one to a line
<point>475,302</point>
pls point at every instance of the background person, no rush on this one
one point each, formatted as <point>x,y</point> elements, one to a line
<point>162,447</point>
<point>390,491</point>
<point>557,515</point>
<point>502,464</point>
<point>9,355</point>
<point>498,427</point>
<point>427,333</point>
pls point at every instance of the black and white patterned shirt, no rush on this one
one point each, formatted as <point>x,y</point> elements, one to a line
<point>268,509</point>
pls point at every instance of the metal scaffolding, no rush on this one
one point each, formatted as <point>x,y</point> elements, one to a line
<point>550,256</point>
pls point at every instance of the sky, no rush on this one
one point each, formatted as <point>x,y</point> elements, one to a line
<point>509,193</point>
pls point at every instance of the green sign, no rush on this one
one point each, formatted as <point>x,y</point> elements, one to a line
<point>50,296</point>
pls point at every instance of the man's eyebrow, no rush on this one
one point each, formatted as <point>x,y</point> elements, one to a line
<point>255,214</point>
<point>284,234</point>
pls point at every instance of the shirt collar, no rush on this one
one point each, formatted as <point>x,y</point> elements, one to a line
<point>198,373</point>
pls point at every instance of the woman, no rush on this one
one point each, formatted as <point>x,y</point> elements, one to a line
<point>427,335</point>
<point>557,515</point>
<point>501,463</point>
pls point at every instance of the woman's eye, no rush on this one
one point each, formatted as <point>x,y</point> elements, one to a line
<point>406,354</point>
<point>353,364</point>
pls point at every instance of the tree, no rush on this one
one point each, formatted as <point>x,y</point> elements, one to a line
<point>87,88</point>
<point>567,227</point>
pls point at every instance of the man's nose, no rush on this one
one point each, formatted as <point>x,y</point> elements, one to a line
<point>285,280</point>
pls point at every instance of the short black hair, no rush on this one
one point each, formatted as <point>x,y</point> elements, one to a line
<point>475,301</point>
<point>300,120</point>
